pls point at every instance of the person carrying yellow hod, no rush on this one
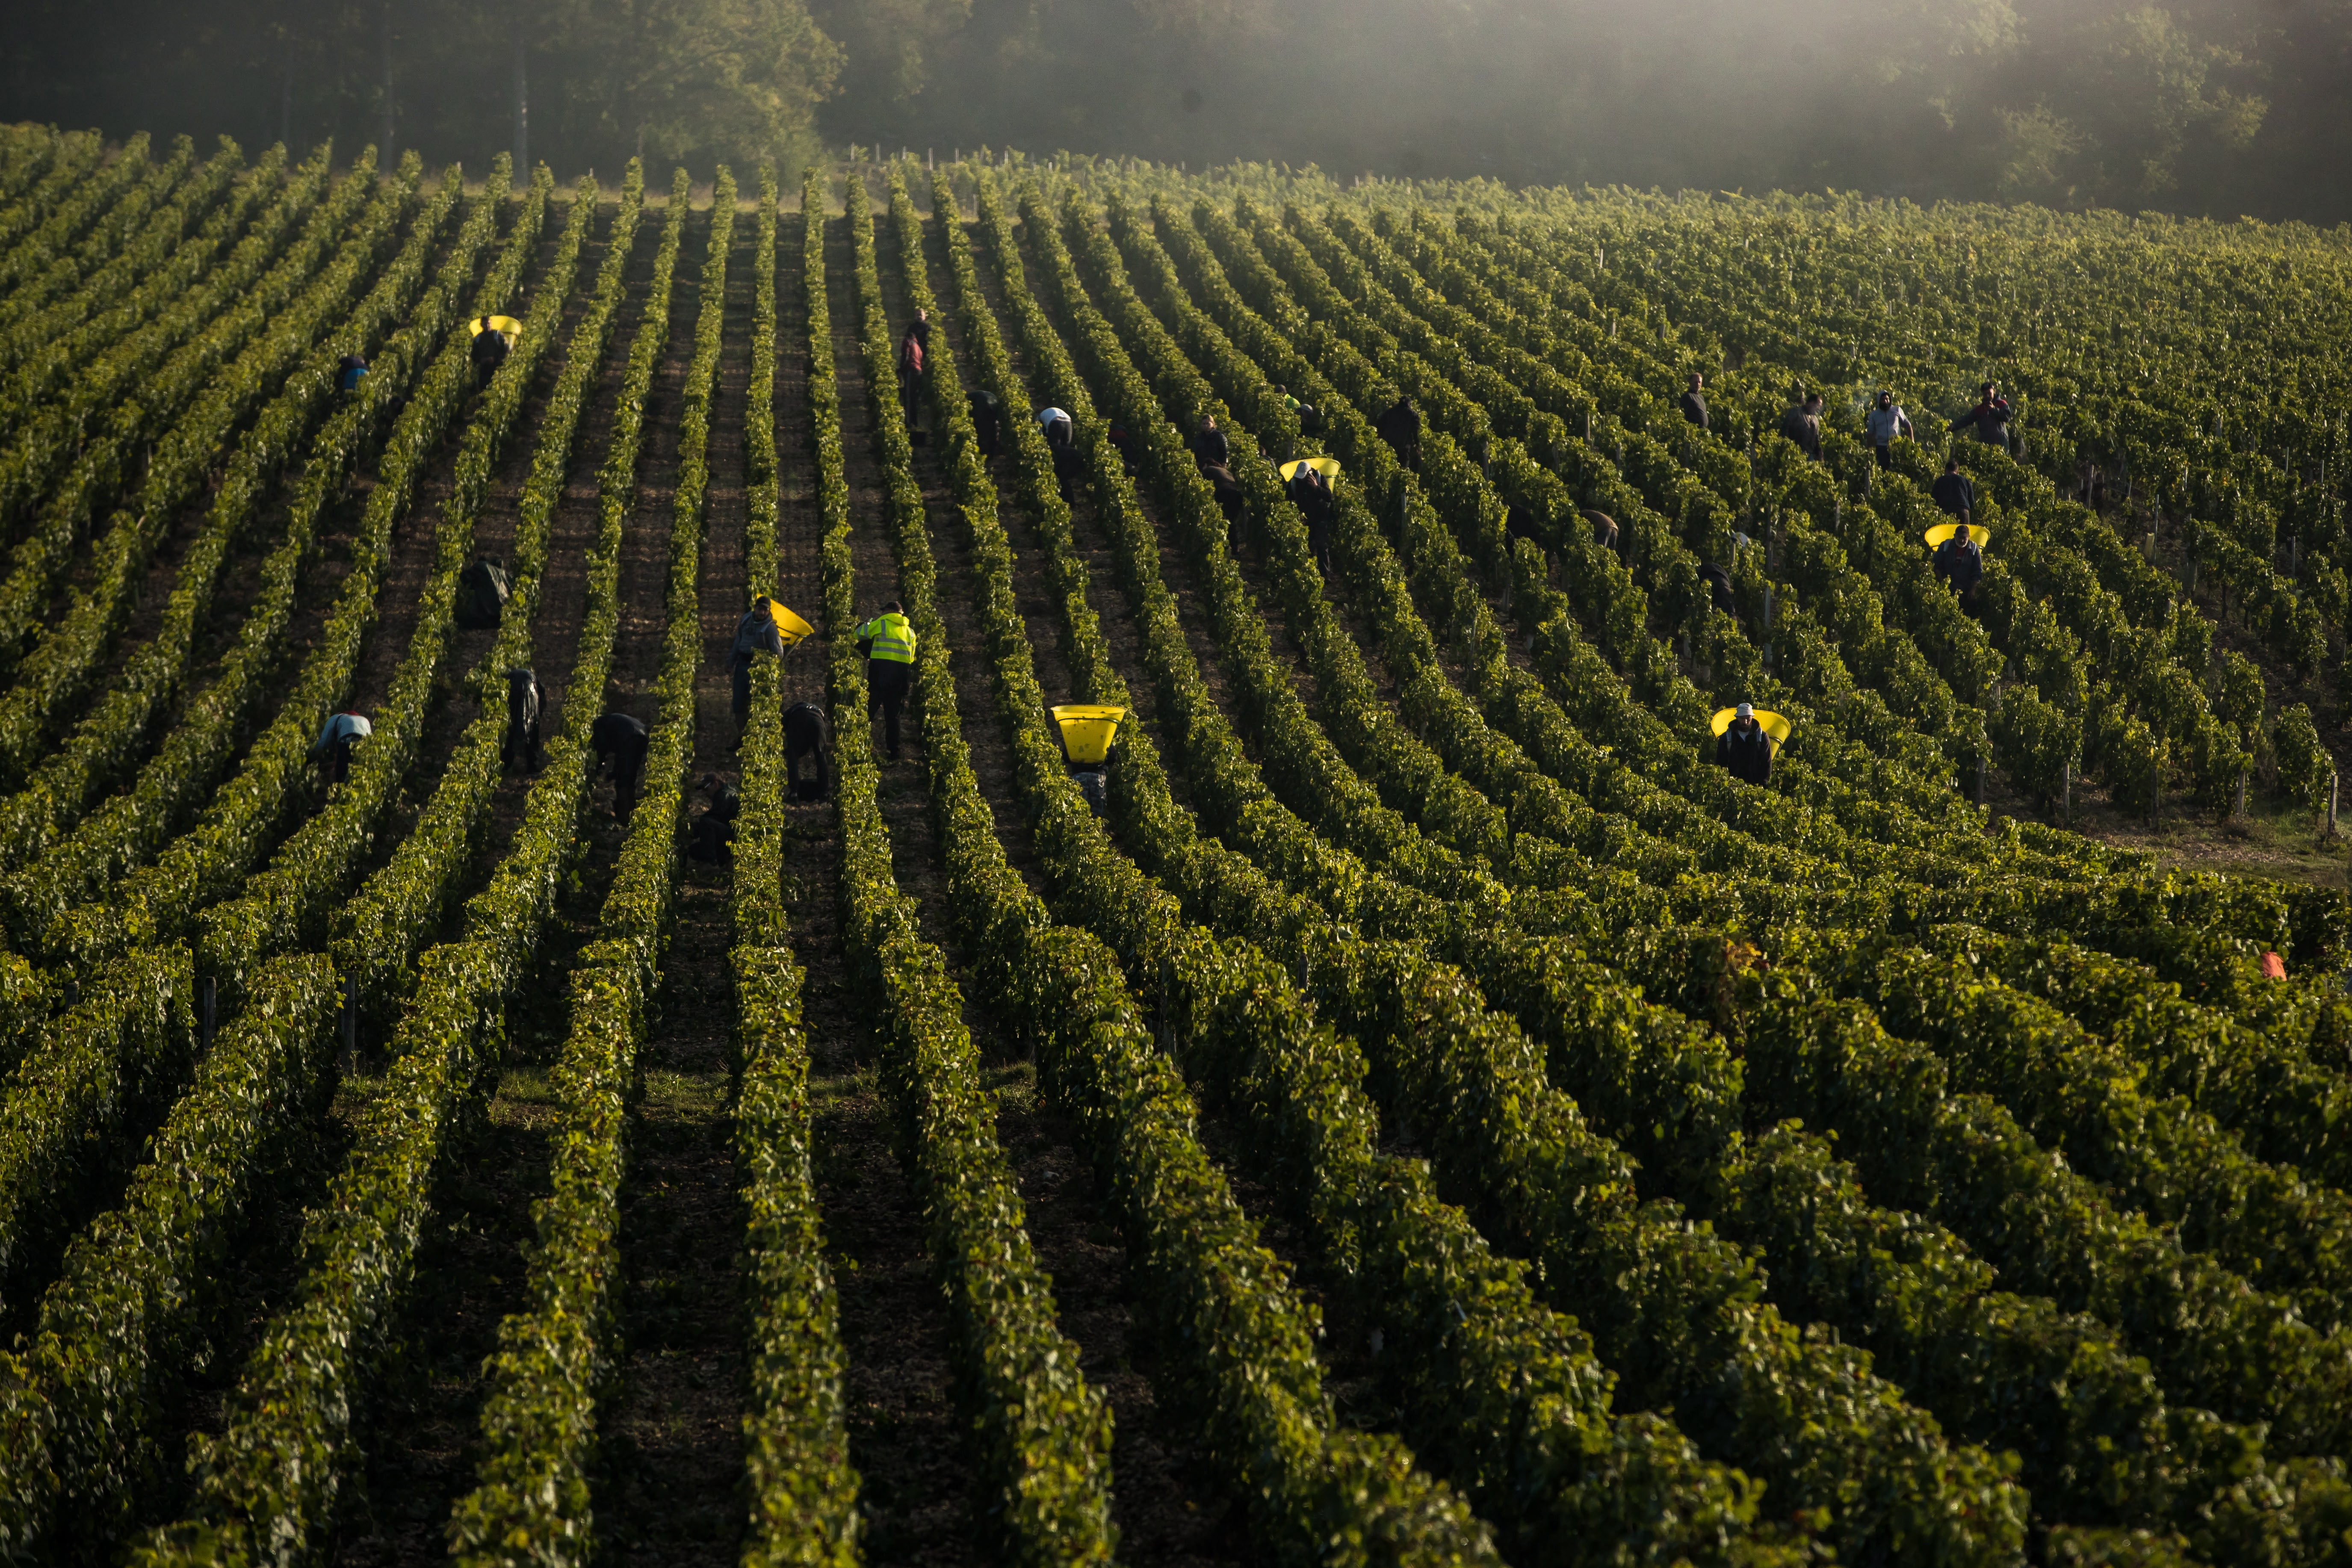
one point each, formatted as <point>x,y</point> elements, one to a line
<point>888,641</point>
<point>1961,562</point>
<point>1745,749</point>
<point>488,351</point>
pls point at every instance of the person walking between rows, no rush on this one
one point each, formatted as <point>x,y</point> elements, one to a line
<point>807,733</point>
<point>1885,422</point>
<point>1694,402</point>
<point>1955,496</point>
<point>988,422</point>
<point>1062,447</point>
<point>1990,418</point>
<point>1802,425</point>
<point>518,747</point>
<point>489,352</point>
<point>1400,427</point>
<point>332,750</point>
<point>620,740</point>
<point>1211,448</point>
<point>888,641</point>
<point>756,633</point>
<point>1311,493</point>
<point>1744,750</point>
<point>1961,562</point>
<point>910,377</point>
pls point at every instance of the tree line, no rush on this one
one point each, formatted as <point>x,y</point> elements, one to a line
<point>2236,106</point>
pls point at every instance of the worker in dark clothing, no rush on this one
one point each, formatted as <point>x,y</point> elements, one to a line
<point>350,370</point>
<point>1057,428</point>
<point>1400,427</point>
<point>910,379</point>
<point>1520,522</point>
<point>807,734</point>
<point>621,741</point>
<point>921,330</point>
<point>714,830</point>
<point>518,748</point>
<point>1311,493</point>
<point>1990,418</point>
<point>1802,425</point>
<point>332,749</point>
<point>1884,423</point>
<point>1743,748</point>
<point>756,633</point>
<point>888,641</point>
<point>1210,448</point>
<point>988,422</point>
<point>482,590</point>
<point>1954,495</point>
<point>1123,443</point>
<point>1230,499</point>
<point>1694,402</point>
<point>1961,562</point>
<point>1718,588</point>
<point>489,352</point>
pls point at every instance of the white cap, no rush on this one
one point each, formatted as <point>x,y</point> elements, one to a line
<point>1746,711</point>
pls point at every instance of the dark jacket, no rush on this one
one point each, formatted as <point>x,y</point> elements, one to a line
<point>1955,496</point>
<point>1719,589</point>
<point>620,740</point>
<point>1313,500</point>
<point>490,349</point>
<point>1960,564</point>
<point>1695,409</point>
<point>806,729</point>
<point>1748,756</point>
<point>1400,427</point>
<point>1990,421</point>
<point>1804,429</point>
<point>1212,447</point>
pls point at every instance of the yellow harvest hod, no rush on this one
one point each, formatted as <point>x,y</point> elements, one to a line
<point>1327,467</point>
<point>790,627</point>
<point>1087,730</point>
<point>1938,536</point>
<point>1774,725</point>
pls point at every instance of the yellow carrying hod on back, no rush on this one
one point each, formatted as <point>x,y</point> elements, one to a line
<point>1327,467</point>
<point>1938,536</point>
<point>788,627</point>
<point>1087,729</point>
<point>1774,725</point>
<point>506,327</point>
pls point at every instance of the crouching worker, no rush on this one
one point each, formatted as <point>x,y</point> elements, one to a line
<point>620,740</point>
<point>1744,749</point>
<point>518,749</point>
<point>332,749</point>
<point>714,830</point>
<point>806,734</point>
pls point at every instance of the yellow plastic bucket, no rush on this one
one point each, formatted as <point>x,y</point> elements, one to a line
<point>1327,467</point>
<point>1087,730</point>
<point>505,326</point>
<point>790,627</point>
<point>1938,536</point>
<point>1774,725</point>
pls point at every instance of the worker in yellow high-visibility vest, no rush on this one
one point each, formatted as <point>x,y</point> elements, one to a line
<point>888,641</point>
